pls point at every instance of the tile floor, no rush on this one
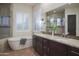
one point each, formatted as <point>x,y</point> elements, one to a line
<point>24,52</point>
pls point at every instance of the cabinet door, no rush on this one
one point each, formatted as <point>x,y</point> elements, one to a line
<point>52,48</point>
<point>72,51</point>
<point>39,45</point>
<point>45,47</point>
<point>34,42</point>
<point>57,49</point>
<point>60,50</point>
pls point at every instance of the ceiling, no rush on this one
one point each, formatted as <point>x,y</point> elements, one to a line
<point>31,4</point>
<point>62,8</point>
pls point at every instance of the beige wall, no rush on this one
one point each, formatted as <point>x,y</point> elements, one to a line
<point>4,9</point>
<point>25,9</point>
<point>37,15</point>
<point>71,11</point>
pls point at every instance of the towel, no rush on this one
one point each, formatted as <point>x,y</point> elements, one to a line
<point>23,41</point>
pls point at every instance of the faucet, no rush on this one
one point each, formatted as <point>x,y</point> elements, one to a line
<point>64,35</point>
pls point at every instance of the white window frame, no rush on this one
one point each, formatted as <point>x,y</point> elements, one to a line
<point>19,17</point>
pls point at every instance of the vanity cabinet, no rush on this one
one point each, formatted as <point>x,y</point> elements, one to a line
<point>46,47</point>
<point>57,49</point>
<point>40,45</point>
<point>37,45</point>
<point>34,42</point>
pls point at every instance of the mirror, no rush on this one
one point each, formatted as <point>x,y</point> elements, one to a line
<point>58,19</point>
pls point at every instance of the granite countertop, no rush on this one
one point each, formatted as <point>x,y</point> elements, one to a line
<point>67,41</point>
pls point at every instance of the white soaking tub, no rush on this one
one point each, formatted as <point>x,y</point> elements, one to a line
<point>14,43</point>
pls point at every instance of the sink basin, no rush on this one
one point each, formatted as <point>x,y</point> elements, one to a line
<point>69,36</point>
<point>47,33</point>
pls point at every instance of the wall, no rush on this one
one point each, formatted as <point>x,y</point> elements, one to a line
<point>4,11</point>
<point>25,9</point>
<point>70,11</point>
<point>37,16</point>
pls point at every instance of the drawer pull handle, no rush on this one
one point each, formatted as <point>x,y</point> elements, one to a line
<point>75,52</point>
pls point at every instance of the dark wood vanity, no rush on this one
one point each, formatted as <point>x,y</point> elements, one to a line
<point>46,47</point>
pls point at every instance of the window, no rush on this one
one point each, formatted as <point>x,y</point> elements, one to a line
<point>22,22</point>
<point>5,21</point>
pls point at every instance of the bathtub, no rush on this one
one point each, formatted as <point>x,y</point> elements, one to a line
<point>14,43</point>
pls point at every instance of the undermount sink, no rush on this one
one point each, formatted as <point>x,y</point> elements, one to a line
<point>69,36</point>
<point>47,33</point>
<point>65,36</point>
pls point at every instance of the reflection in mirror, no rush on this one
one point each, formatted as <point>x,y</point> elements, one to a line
<point>52,20</point>
<point>57,19</point>
<point>60,24</point>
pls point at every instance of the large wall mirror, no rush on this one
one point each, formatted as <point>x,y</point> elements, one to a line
<point>58,20</point>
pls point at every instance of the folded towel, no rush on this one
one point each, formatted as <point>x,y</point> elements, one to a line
<point>23,41</point>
